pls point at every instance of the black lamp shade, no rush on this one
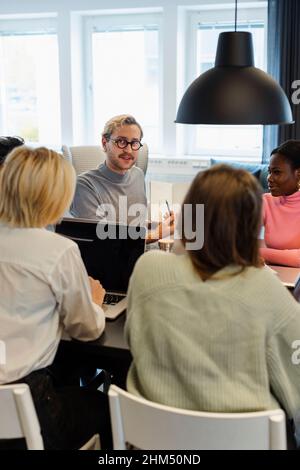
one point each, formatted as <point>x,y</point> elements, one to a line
<point>234,91</point>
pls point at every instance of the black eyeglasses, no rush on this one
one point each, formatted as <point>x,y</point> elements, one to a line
<point>122,143</point>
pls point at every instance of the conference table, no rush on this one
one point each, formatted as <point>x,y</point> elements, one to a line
<point>111,351</point>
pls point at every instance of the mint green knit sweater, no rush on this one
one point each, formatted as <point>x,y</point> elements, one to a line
<point>221,345</point>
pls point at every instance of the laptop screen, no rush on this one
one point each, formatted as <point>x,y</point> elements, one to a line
<point>109,251</point>
<point>296,291</point>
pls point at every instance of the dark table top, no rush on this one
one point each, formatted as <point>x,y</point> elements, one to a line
<point>109,352</point>
<point>113,336</point>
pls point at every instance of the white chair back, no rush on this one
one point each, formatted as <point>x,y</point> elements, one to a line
<point>18,416</point>
<point>148,425</point>
<point>92,444</point>
<point>89,157</point>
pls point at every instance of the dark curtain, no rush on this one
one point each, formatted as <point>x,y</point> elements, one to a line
<point>283,65</point>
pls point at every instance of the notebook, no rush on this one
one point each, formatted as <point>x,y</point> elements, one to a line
<point>109,252</point>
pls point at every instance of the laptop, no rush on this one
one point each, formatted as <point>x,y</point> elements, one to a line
<point>288,276</point>
<point>109,252</point>
<point>296,290</point>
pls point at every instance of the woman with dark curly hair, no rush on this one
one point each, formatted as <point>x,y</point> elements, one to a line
<point>281,207</point>
<point>7,144</point>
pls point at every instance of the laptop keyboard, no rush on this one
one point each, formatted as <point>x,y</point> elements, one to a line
<point>112,299</point>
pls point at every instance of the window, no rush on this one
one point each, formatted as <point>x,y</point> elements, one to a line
<point>206,27</point>
<point>64,74</point>
<point>123,72</point>
<point>29,80</point>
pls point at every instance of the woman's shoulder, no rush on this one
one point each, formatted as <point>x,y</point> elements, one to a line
<point>148,262</point>
<point>157,268</point>
<point>270,204</point>
<point>268,198</point>
<point>49,245</point>
<point>56,242</point>
<point>34,247</point>
<point>56,251</point>
<point>157,259</point>
<point>266,284</point>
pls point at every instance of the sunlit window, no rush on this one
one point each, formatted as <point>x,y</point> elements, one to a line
<point>29,85</point>
<point>125,77</point>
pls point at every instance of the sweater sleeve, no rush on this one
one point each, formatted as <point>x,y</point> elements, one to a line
<point>282,257</point>
<point>283,356</point>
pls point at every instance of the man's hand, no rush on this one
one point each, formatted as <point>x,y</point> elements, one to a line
<point>164,229</point>
<point>98,292</point>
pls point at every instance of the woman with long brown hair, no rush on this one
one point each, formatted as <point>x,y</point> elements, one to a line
<point>212,329</point>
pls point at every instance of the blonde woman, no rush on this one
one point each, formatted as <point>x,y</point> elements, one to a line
<point>45,291</point>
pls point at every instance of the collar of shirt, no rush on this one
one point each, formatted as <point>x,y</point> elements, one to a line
<point>113,176</point>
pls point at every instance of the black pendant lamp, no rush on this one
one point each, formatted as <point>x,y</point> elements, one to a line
<point>234,91</point>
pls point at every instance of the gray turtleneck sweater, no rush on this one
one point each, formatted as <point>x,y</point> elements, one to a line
<point>104,194</point>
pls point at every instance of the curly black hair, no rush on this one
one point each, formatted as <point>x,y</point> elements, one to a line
<point>290,150</point>
<point>7,144</point>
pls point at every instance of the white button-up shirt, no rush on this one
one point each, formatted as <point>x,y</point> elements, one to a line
<point>44,292</point>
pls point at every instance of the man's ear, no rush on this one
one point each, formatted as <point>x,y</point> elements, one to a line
<point>104,142</point>
<point>298,174</point>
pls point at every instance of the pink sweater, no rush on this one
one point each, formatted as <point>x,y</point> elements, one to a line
<point>281,219</point>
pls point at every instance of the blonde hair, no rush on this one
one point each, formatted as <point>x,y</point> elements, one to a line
<point>36,187</point>
<point>119,121</point>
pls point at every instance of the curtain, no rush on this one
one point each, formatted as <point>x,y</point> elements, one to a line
<point>283,65</point>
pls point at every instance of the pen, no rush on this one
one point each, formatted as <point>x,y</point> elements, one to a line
<point>168,207</point>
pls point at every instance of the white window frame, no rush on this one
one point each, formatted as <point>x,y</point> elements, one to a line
<point>107,22</point>
<point>28,25</point>
<point>40,24</point>
<point>223,14</point>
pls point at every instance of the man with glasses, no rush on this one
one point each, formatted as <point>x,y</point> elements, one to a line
<point>115,191</point>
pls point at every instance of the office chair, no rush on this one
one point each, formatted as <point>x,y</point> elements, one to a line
<point>19,418</point>
<point>88,157</point>
<point>148,425</point>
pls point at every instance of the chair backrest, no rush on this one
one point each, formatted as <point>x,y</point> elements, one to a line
<point>88,157</point>
<point>18,416</point>
<point>92,444</point>
<point>148,425</point>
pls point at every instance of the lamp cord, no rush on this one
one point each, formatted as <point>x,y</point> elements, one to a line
<point>235,17</point>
